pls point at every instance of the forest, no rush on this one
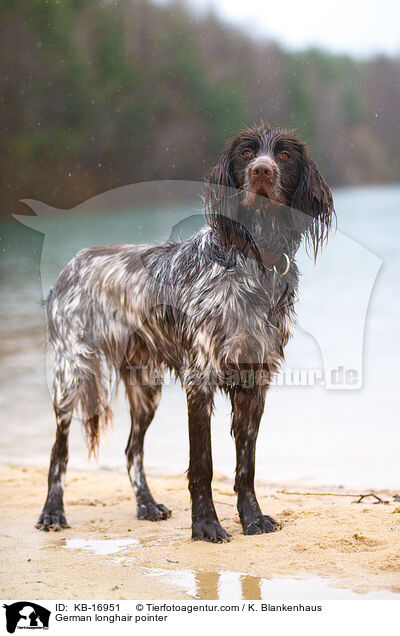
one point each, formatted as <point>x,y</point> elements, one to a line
<point>96,94</point>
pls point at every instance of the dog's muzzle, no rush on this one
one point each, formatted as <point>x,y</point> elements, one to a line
<point>263,175</point>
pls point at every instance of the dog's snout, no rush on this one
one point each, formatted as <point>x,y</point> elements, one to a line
<point>264,168</point>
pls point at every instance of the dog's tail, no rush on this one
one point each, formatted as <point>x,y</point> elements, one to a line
<point>80,385</point>
<point>82,375</point>
<point>95,410</point>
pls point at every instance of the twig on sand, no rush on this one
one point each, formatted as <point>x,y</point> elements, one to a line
<point>371,494</point>
<point>359,498</point>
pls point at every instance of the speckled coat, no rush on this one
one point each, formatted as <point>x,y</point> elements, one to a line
<point>211,309</point>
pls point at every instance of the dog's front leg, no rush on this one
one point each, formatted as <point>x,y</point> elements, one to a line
<point>205,524</point>
<point>248,407</point>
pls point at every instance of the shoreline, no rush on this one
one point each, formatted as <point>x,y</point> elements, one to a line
<point>108,553</point>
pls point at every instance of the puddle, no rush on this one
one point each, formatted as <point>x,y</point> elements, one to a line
<point>111,547</point>
<point>227,585</point>
<point>100,546</point>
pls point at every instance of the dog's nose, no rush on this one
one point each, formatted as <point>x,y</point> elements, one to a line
<point>263,168</point>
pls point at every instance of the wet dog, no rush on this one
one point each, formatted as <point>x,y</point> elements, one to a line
<point>216,309</point>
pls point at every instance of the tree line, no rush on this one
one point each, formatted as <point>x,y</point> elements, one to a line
<point>96,94</point>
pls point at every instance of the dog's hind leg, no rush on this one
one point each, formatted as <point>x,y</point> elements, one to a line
<point>53,515</point>
<point>247,409</point>
<point>143,401</point>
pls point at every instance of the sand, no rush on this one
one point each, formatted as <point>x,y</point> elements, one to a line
<point>356,545</point>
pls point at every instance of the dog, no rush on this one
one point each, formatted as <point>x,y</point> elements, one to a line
<point>216,309</point>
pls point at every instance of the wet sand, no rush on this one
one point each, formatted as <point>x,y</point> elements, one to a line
<point>355,545</point>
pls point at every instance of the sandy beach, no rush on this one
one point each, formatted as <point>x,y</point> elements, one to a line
<point>108,553</point>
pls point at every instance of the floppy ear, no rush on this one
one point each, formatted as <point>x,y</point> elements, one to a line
<point>218,184</point>
<point>223,209</point>
<point>313,197</point>
<point>221,201</point>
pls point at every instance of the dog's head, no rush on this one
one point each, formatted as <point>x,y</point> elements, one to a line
<point>270,169</point>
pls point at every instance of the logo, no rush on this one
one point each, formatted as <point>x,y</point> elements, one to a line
<point>26,615</point>
<point>337,327</point>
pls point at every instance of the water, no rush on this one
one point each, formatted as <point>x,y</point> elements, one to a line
<point>111,547</point>
<point>225,584</point>
<point>100,546</point>
<point>308,433</point>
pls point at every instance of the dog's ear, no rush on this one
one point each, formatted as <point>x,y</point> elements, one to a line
<point>221,200</point>
<point>221,173</point>
<point>219,183</point>
<point>222,209</point>
<point>313,197</point>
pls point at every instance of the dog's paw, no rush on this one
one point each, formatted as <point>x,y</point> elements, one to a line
<point>52,520</point>
<point>209,530</point>
<point>152,511</point>
<point>260,525</point>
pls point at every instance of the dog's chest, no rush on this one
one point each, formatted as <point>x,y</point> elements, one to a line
<point>237,320</point>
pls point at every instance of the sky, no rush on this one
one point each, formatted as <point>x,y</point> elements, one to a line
<point>361,28</point>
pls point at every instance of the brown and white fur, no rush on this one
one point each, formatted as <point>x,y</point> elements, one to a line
<point>216,309</point>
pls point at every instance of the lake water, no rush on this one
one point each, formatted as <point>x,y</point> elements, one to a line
<point>348,313</point>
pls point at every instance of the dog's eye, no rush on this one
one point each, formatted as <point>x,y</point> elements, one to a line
<point>285,155</point>
<point>247,153</point>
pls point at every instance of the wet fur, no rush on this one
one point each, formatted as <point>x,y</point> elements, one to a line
<point>209,309</point>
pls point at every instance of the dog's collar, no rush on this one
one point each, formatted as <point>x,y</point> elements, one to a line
<point>280,263</point>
